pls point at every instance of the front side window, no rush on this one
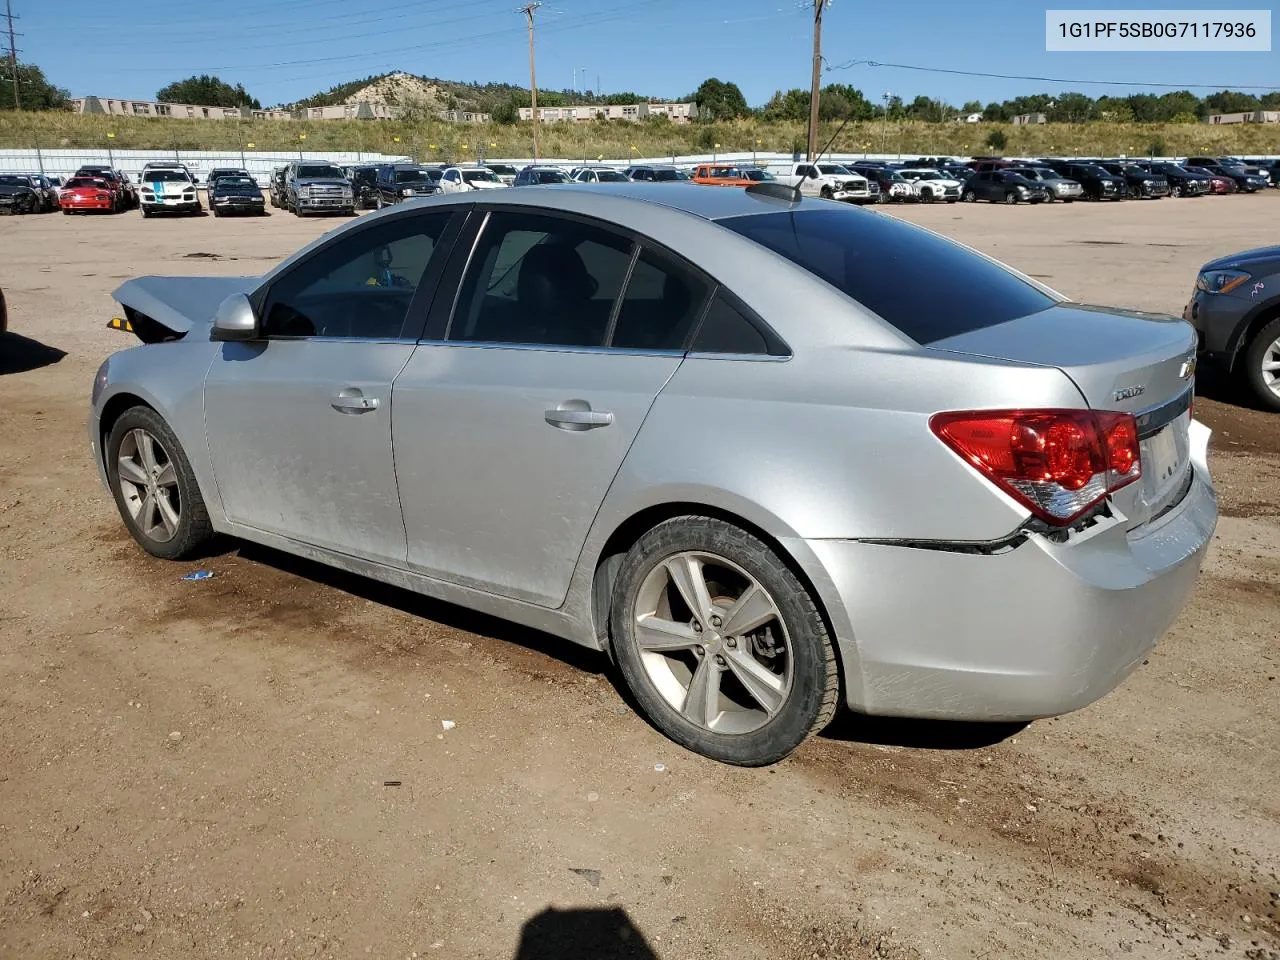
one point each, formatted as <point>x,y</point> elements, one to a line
<point>541,280</point>
<point>361,286</point>
<point>924,285</point>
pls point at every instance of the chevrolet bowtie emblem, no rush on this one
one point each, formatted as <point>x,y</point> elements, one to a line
<point>1188,368</point>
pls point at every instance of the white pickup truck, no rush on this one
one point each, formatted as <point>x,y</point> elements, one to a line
<point>831,181</point>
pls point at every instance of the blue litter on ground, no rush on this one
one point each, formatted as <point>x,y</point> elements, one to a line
<point>199,575</point>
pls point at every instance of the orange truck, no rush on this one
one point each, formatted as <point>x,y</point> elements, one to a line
<point>721,175</point>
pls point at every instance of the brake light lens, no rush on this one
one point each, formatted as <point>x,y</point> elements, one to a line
<point>1058,463</point>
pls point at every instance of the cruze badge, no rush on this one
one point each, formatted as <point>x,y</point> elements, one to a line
<point>1128,393</point>
<point>1188,368</point>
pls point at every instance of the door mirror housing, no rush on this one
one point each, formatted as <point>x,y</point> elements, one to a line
<point>235,320</point>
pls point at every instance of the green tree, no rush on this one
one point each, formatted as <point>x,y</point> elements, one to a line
<point>839,100</point>
<point>1178,102</point>
<point>997,140</point>
<point>35,92</point>
<point>1071,108</point>
<point>1145,107</point>
<point>971,106</point>
<point>506,112</point>
<point>1184,117</point>
<point>791,105</point>
<point>207,91</point>
<point>1114,110</point>
<point>720,100</point>
<point>1229,101</point>
<point>995,113</point>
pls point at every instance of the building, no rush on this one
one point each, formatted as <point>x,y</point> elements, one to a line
<point>634,112</point>
<point>1027,119</point>
<point>970,118</point>
<point>465,116</point>
<point>364,110</point>
<point>1253,116</point>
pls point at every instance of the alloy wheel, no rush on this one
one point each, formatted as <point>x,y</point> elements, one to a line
<point>713,642</point>
<point>1271,367</point>
<point>148,484</point>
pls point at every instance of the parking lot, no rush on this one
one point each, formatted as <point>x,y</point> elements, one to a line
<point>259,764</point>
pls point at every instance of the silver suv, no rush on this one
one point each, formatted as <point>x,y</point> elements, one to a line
<point>315,186</point>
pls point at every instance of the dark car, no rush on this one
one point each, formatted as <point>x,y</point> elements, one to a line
<point>238,193</point>
<point>4,314</point>
<point>1142,183</point>
<point>1245,181</point>
<point>364,183</point>
<point>1097,183</point>
<point>313,186</point>
<point>44,189</point>
<point>218,173</point>
<point>650,174</point>
<point>276,187</point>
<point>1003,186</point>
<point>404,181</point>
<point>1235,309</point>
<point>892,185</point>
<point>1182,182</point>
<point>1055,184</point>
<point>17,195</point>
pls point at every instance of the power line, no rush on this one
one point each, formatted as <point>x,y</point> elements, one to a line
<point>1014,76</point>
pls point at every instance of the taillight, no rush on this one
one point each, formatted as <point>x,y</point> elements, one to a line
<point>1057,463</point>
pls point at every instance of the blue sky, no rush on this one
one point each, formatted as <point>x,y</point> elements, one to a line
<point>282,50</point>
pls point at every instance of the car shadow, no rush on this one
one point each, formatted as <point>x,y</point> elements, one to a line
<point>850,727</point>
<point>428,608</point>
<point>588,933</point>
<point>19,354</point>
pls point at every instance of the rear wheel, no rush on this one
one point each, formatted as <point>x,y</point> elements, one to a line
<point>1262,361</point>
<point>154,486</point>
<point>721,645</point>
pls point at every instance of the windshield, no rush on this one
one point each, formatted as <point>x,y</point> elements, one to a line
<point>165,176</point>
<point>11,181</point>
<point>550,176</point>
<point>1092,170</point>
<point>502,168</point>
<point>479,176</point>
<point>924,285</point>
<point>413,176</point>
<point>610,176</point>
<point>320,172</point>
<point>85,182</point>
<point>834,168</point>
<point>666,176</point>
<point>236,181</point>
<point>759,175</point>
<point>893,175</point>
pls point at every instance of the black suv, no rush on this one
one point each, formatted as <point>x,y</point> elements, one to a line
<point>1233,169</point>
<point>404,181</point>
<point>1098,184</point>
<point>364,183</point>
<point>1182,182</point>
<point>1003,186</point>
<point>1143,184</point>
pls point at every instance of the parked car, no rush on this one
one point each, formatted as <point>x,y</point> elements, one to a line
<point>1056,186</point>
<point>1219,183</point>
<point>317,187</point>
<point>17,195</point>
<point>364,184</point>
<point>1097,183</point>
<point>168,188</point>
<point>235,193</point>
<point>122,185</point>
<point>991,163</point>
<point>1245,180</point>
<point>1142,184</point>
<point>1235,307</point>
<point>830,181</point>
<point>535,175</point>
<point>649,173</point>
<point>219,172</point>
<point>44,190</point>
<point>1003,186</point>
<point>276,189</point>
<point>1272,169</point>
<point>4,315</point>
<point>504,171</point>
<point>462,179</point>
<point>931,185</point>
<point>404,181</point>
<point>83,193</point>
<point>720,175</point>
<point>1182,182</point>
<point>889,184</point>
<point>1032,462</point>
<point>595,174</point>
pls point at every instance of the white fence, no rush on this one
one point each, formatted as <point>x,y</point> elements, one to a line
<point>64,162</point>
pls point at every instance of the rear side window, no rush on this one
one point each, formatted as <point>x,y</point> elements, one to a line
<point>927,287</point>
<point>662,301</point>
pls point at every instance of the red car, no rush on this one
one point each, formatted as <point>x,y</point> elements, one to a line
<point>1217,182</point>
<point>88,193</point>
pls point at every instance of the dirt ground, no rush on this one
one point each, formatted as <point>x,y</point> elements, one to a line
<point>256,765</point>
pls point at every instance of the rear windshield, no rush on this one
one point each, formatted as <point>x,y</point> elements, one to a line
<point>610,176</point>
<point>234,181</point>
<point>926,286</point>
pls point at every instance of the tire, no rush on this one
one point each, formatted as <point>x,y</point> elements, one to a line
<point>1049,196</point>
<point>169,534</point>
<point>799,679</point>
<point>1011,197</point>
<point>145,213</point>
<point>881,198</point>
<point>969,197</point>
<point>1264,348</point>
<point>826,193</point>
<point>66,212</point>
<point>926,196</point>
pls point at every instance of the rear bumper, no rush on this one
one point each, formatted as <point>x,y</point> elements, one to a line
<point>1035,631</point>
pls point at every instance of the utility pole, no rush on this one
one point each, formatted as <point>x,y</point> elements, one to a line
<point>13,55</point>
<point>818,7</point>
<point>527,10</point>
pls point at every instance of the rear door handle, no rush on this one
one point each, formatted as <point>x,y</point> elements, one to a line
<point>571,416</point>
<point>352,400</point>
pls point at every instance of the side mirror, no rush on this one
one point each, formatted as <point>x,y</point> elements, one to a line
<point>235,320</point>
<point>813,173</point>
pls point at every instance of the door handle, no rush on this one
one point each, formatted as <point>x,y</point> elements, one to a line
<point>577,415</point>
<point>352,400</point>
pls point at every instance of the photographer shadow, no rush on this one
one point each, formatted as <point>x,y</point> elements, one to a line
<point>586,933</point>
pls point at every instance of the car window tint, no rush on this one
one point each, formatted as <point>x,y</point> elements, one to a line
<point>924,285</point>
<point>725,330</point>
<point>360,286</point>
<point>542,280</point>
<point>661,304</point>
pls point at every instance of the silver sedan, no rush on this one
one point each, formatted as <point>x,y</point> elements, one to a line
<point>774,455</point>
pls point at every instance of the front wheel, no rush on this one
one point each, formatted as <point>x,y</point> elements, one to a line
<point>723,648</point>
<point>1010,197</point>
<point>1262,368</point>
<point>154,486</point>
<point>969,197</point>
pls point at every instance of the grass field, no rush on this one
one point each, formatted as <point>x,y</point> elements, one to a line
<point>617,139</point>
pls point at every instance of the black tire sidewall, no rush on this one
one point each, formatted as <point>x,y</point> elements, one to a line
<point>811,651</point>
<point>193,524</point>
<point>1253,364</point>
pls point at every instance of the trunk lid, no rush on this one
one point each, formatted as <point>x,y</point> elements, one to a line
<point>1139,363</point>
